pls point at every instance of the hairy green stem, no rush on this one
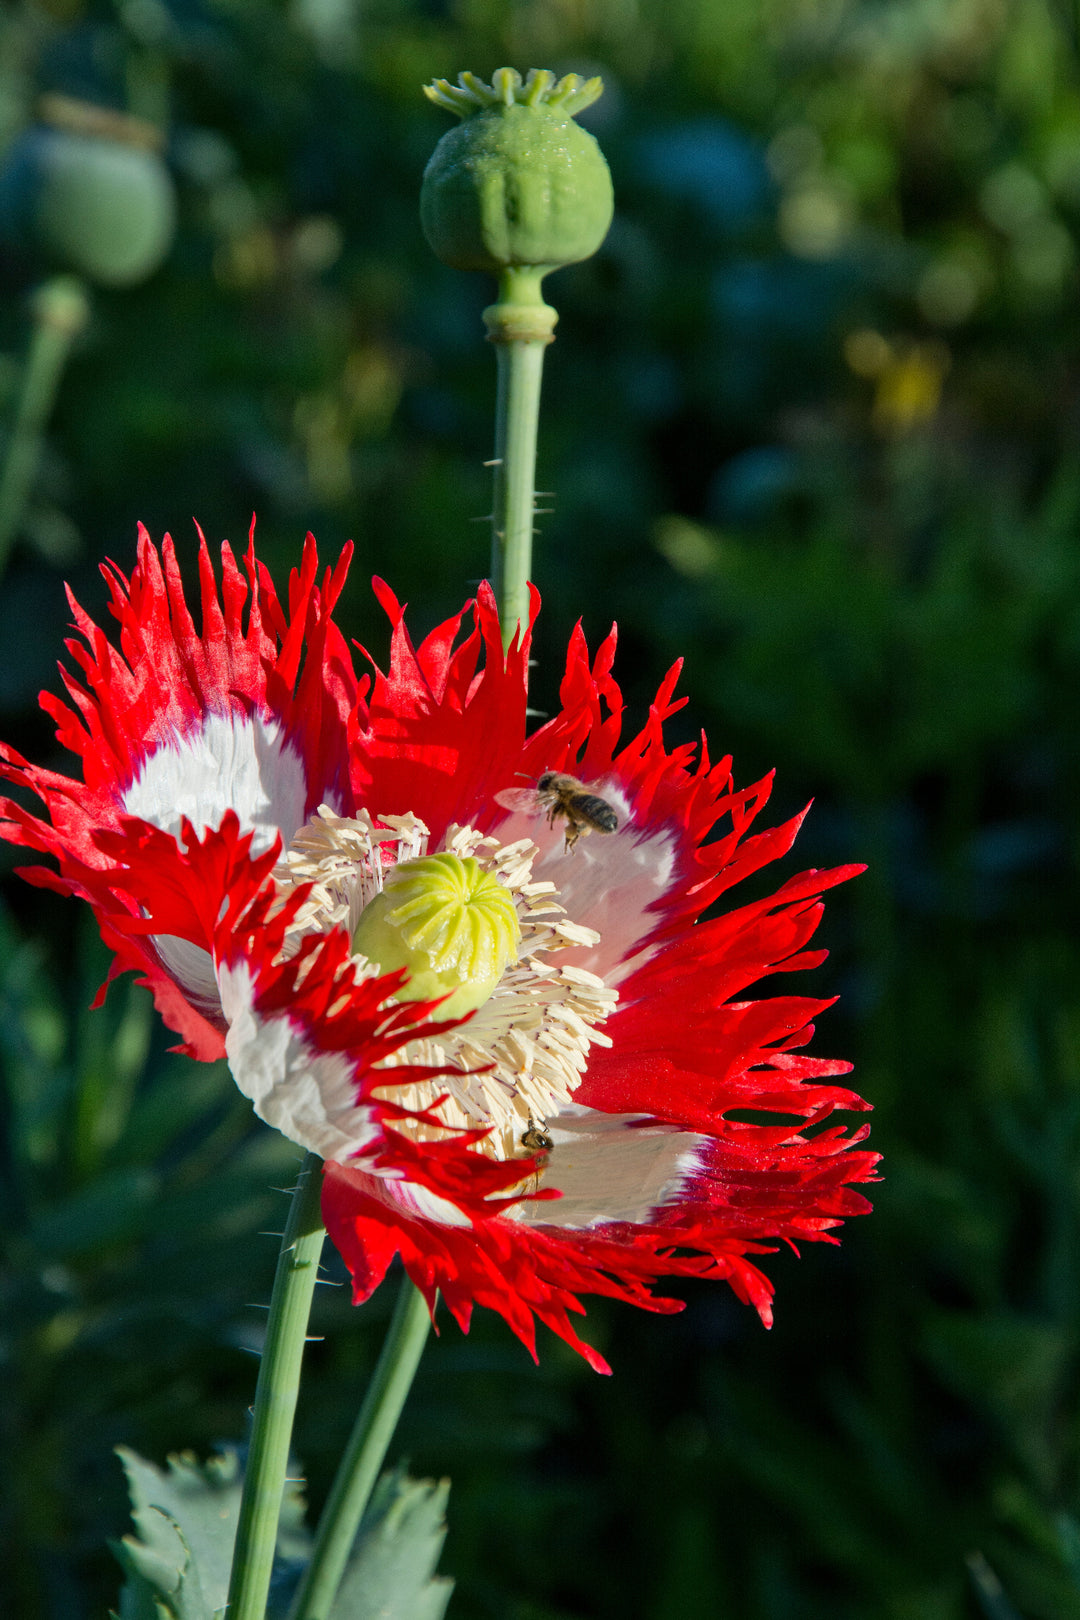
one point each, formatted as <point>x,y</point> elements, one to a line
<point>521,326</point>
<point>60,309</point>
<point>275,1397</point>
<point>364,1455</point>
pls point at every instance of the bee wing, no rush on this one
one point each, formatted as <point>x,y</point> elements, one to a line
<point>526,799</point>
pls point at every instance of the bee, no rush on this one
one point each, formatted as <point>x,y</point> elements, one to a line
<point>534,1140</point>
<point>559,796</point>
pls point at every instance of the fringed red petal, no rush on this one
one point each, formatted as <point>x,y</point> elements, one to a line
<point>442,731</point>
<point>439,734</point>
<point>291,666</point>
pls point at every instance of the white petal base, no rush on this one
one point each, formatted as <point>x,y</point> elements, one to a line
<point>608,882</point>
<point>610,1168</point>
<point>308,1095</point>
<point>193,970</point>
<point>228,762</point>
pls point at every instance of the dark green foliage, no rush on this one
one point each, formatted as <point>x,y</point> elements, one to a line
<point>812,421</point>
<point>134,1196</point>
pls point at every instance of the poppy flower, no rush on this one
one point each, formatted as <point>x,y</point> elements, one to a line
<point>510,1017</point>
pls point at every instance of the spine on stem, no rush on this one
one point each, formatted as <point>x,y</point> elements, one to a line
<point>275,1398</point>
<point>517,189</point>
<point>521,325</point>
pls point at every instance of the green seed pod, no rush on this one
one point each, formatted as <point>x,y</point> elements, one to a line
<point>87,189</point>
<point>452,924</point>
<point>517,183</point>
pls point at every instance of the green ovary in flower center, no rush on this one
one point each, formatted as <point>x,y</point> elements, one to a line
<point>453,925</point>
<point>472,923</point>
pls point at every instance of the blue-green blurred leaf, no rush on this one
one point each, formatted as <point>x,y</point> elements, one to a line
<point>391,1572</point>
<point>185,1518</point>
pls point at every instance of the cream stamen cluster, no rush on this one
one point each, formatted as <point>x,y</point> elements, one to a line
<point>519,1058</point>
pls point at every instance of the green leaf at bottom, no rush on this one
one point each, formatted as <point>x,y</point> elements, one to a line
<point>178,1563</point>
<point>391,1573</point>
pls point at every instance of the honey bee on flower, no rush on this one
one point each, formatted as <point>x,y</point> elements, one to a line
<point>560,796</point>
<point>522,1067</point>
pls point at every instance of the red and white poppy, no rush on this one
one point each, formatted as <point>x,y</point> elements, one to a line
<point>592,1118</point>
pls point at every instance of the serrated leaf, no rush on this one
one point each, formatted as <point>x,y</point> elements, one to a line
<point>186,1522</point>
<point>137,1601</point>
<point>150,1575</point>
<point>391,1573</point>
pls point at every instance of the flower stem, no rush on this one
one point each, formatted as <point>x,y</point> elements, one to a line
<point>521,326</point>
<point>275,1397</point>
<point>364,1454</point>
<point>60,309</point>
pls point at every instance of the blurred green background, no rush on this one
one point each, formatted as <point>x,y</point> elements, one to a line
<point>812,420</point>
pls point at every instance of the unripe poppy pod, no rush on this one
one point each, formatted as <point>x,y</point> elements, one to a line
<point>518,182</point>
<point>88,190</point>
